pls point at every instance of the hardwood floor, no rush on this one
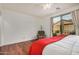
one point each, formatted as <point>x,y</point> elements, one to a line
<point>21,48</point>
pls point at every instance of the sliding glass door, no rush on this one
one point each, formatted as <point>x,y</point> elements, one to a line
<point>62,23</point>
<point>68,24</point>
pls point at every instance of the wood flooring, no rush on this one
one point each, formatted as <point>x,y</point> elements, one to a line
<point>21,48</point>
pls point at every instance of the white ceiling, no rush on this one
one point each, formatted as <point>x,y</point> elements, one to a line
<point>36,9</point>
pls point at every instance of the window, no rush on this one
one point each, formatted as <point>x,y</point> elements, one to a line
<point>62,23</point>
<point>56,27</point>
<point>67,23</point>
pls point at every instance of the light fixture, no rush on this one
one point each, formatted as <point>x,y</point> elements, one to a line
<point>46,6</point>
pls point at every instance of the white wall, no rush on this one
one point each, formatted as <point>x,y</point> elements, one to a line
<point>18,27</point>
<point>0,28</point>
<point>45,22</point>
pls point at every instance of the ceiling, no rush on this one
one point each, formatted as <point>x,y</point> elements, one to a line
<point>37,9</point>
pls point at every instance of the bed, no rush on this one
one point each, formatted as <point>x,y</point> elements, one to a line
<point>58,45</point>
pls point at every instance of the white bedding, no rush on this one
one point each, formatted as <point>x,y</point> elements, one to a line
<point>67,46</point>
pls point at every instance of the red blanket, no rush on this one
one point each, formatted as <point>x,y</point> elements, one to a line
<point>38,46</point>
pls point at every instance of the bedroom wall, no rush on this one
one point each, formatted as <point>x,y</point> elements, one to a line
<point>18,27</point>
<point>45,22</point>
<point>0,28</point>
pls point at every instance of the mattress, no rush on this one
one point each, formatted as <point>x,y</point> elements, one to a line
<point>75,50</point>
<point>67,46</point>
